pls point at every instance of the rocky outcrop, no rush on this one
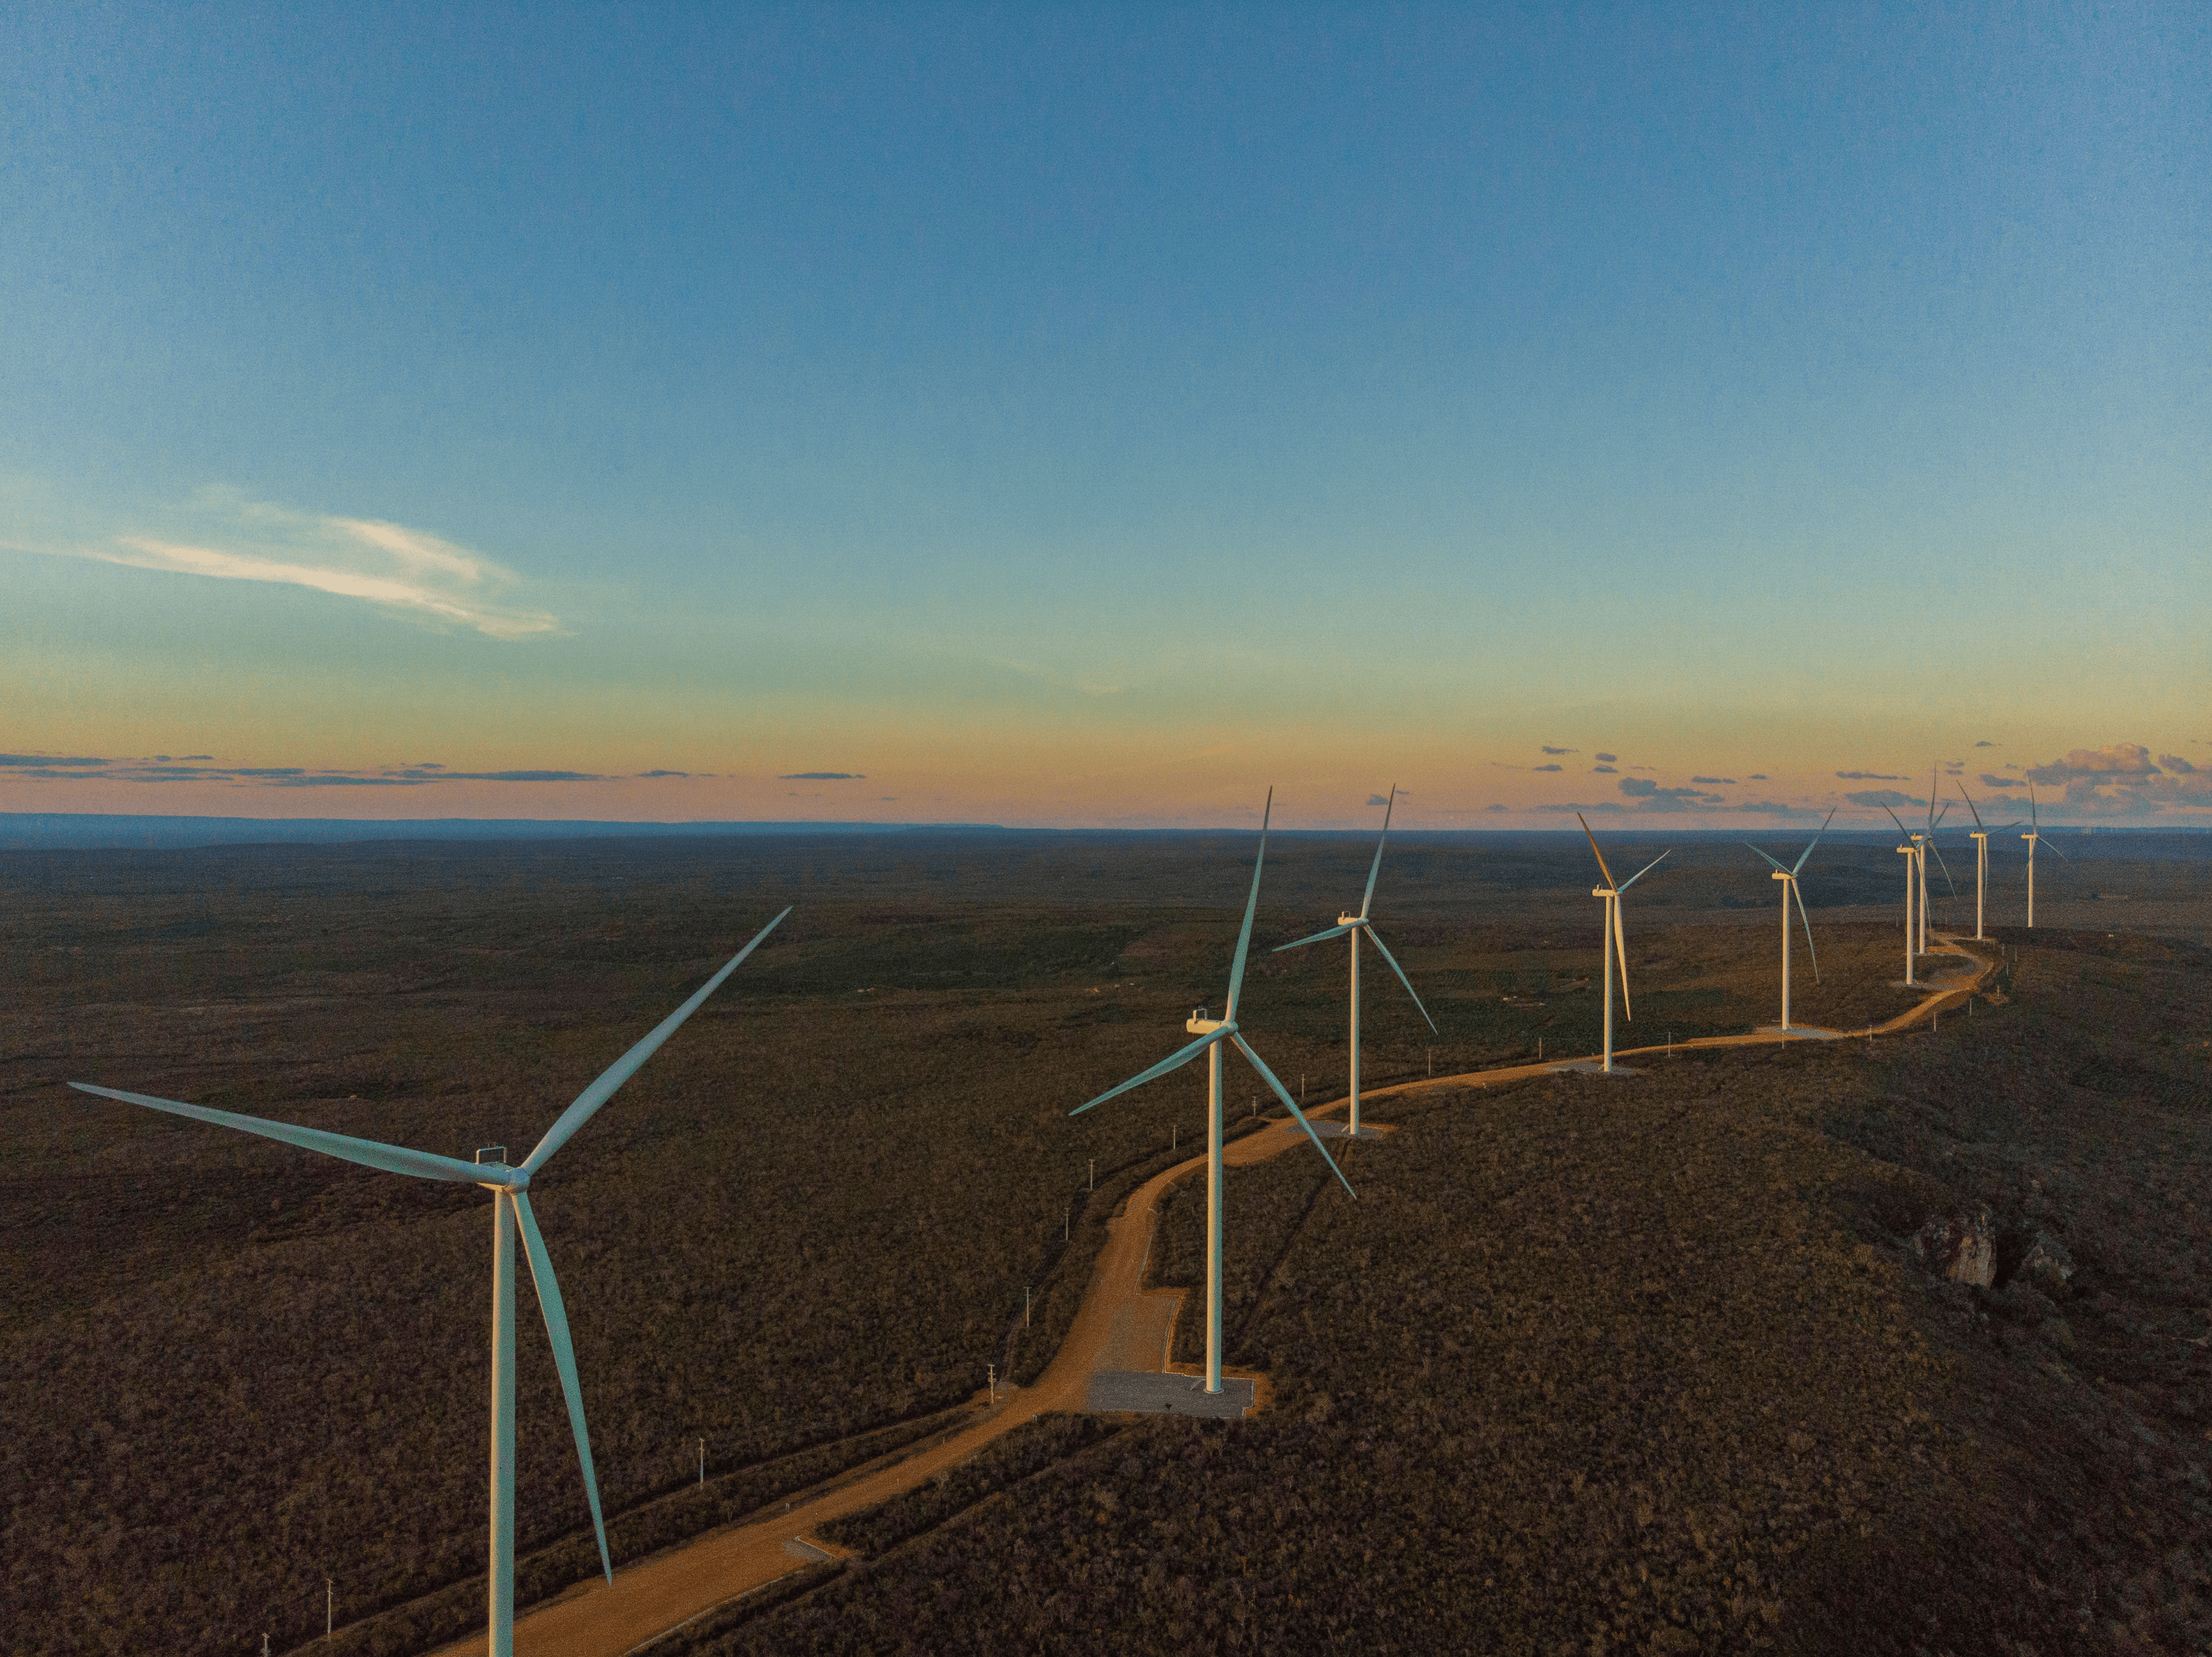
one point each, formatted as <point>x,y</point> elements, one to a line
<point>1962,1250</point>
<point>2048,1265</point>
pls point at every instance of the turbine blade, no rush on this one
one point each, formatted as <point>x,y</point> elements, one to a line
<point>1646,869</point>
<point>564,1360</point>
<point>1375,938</point>
<point>392,1159</point>
<point>1284,1094</point>
<point>1621,955</point>
<point>1251,904</point>
<point>1769,860</point>
<point>1388,807</point>
<point>1807,851</point>
<point>1584,821</point>
<point>1175,1061</point>
<point>1944,866</point>
<point>1934,788</point>
<point>1971,806</point>
<point>2034,821</point>
<point>2063,857</point>
<point>1899,822</point>
<point>623,1068</point>
<point>1808,922</point>
<point>1941,815</point>
<point>1334,931</point>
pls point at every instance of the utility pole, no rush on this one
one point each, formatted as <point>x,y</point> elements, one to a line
<point>1066,1214</point>
<point>702,1461</point>
<point>330,1607</point>
<point>994,1382</point>
<point>1025,1305</point>
<point>1093,1185</point>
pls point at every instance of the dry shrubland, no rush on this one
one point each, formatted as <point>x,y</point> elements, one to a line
<point>231,1368</point>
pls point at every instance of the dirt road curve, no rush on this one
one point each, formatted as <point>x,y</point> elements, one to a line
<point>1120,1325</point>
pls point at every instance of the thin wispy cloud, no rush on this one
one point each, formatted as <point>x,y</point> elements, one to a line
<point>407,572</point>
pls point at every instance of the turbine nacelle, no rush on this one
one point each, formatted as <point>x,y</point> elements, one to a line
<point>491,1162</point>
<point>1198,1024</point>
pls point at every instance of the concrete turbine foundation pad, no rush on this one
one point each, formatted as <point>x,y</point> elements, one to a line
<point>1595,1067</point>
<point>1801,1033</point>
<point>1338,1130</point>
<point>1135,1390</point>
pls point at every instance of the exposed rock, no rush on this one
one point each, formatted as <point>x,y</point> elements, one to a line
<point>1962,1250</point>
<point>2048,1265</point>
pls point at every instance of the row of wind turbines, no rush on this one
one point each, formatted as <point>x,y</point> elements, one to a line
<point>509,1184</point>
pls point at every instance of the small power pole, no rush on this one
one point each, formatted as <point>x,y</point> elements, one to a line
<point>1066,1214</point>
<point>330,1607</point>
<point>1093,1185</point>
<point>702,1461</point>
<point>1025,1305</point>
<point>994,1382</point>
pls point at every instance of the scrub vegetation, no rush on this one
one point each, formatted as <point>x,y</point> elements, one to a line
<point>1631,1358</point>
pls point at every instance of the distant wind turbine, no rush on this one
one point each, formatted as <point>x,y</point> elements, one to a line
<point>1788,879</point>
<point>1616,943</point>
<point>1927,845</point>
<point>1981,839</point>
<point>1911,853</point>
<point>510,1213</point>
<point>1212,1034</point>
<point>1352,926</point>
<point>2034,833</point>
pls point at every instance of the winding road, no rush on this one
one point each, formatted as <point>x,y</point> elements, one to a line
<point>1120,1325</point>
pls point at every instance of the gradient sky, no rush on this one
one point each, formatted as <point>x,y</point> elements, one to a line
<point>1094,417</point>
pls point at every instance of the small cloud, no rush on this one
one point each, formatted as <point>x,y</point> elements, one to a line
<point>886,798</point>
<point>1494,808</point>
<point>664,773</point>
<point>71,762</point>
<point>1603,770</point>
<point>2175,763</point>
<point>1548,748</point>
<point>1876,797</point>
<point>1985,745</point>
<point>1869,776</point>
<point>1650,796</point>
<point>1758,776</point>
<point>823,776</point>
<point>2000,782</point>
<point>1548,767</point>
<point>1729,781</point>
<point>403,570</point>
<point>2121,759</point>
<point>1376,799</point>
<point>1608,759</point>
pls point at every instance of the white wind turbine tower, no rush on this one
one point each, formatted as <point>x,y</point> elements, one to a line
<point>1788,879</point>
<point>510,1213</point>
<point>1616,943</point>
<point>1212,1033</point>
<point>1352,926</point>
<point>2035,833</point>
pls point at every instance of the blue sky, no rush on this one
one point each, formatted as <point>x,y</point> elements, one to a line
<point>1094,417</point>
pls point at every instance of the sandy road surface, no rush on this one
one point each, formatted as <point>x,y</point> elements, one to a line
<point>1120,1324</point>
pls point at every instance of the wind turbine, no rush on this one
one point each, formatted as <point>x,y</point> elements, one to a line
<point>510,1213</point>
<point>1788,879</point>
<point>1981,839</point>
<point>1911,853</point>
<point>1212,1034</point>
<point>1927,845</point>
<point>1352,926</point>
<point>1616,944</point>
<point>2034,833</point>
